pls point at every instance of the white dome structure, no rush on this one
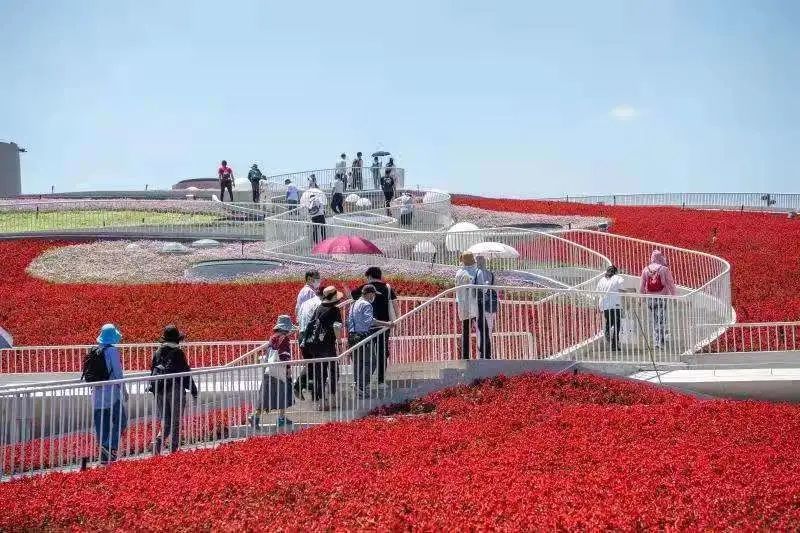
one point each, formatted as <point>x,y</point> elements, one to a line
<point>461,236</point>
<point>174,248</point>
<point>206,243</point>
<point>352,198</point>
<point>364,203</point>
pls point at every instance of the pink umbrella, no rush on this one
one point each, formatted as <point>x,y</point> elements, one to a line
<point>346,244</point>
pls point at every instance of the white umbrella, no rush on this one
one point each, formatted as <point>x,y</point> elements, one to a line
<point>352,198</point>
<point>460,236</point>
<point>494,249</point>
<point>364,202</point>
<point>424,248</point>
<point>305,200</point>
<point>6,340</point>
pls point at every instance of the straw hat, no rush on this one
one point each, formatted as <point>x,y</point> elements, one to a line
<point>468,258</point>
<point>331,295</point>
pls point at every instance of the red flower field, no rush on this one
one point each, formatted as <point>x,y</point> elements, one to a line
<point>42,313</point>
<point>763,249</point>
<point>533,452</point>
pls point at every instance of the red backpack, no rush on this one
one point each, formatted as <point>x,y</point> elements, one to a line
<point>654,283</point>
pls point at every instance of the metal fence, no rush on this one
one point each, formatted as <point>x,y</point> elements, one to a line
<point>730,201</point>
<point>134,357</point>
<point>325,178</point>
<point>751,337</point>
<point>163,219</point>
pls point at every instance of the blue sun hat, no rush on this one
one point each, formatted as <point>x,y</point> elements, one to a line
<point>109,334</point>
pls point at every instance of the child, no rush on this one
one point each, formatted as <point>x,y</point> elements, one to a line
<point>276,384</point>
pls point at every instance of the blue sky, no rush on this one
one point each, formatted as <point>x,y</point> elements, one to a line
<point>515,98</point>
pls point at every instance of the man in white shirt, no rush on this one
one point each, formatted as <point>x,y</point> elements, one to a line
<point>292,194</point>
<point>341,168</point>
<point>611,286</point>
<point>337,198</point>
<point>305,313</point>
<point>308,292</point>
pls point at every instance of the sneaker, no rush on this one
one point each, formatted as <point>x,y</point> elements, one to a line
<point>284,422</point>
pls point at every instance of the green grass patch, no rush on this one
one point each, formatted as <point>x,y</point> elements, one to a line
<point>18,222</point>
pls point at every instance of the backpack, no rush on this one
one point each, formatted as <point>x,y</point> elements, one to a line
<point>164,366</point>
<point>654,283</point>
<point>94,365</point>
<point>314,334</point>
<point>490,300</point>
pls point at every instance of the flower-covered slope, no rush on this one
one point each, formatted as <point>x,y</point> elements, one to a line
<point>533,452</point>
<point>42,313</point>
<point>763,249</point>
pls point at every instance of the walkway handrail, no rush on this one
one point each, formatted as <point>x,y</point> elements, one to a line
<point>761,201</point>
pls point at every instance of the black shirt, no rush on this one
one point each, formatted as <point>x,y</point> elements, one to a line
<point>380,307</point>
<point>328,315</point>
<point>387,183</point>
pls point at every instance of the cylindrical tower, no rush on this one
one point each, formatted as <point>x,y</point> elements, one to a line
<point>10,175</point>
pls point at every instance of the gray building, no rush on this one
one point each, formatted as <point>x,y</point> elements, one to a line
<point>10,175</point>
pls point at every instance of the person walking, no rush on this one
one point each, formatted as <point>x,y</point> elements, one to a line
<point>406,208</point>
<point>361,323</point>
<point>225,174</point>
<point>384,307</point>
<point>108,401</point>
<point>320,338</point>
<point>487,307</point>
<point>387,185</point>
<point>254,177</point>
<point>466,299</point>
<point>292,194</point>
<point>307,291</point>
<point>341,169</point>
<point>356,172</point>
<point>610,287</point>
<point>304,314</point>
<point>337,198</point>
<point>376,172</point>
<point>316,213</point>
<point>275,391</point>
<point>657,281</point>
<point>170,392</point>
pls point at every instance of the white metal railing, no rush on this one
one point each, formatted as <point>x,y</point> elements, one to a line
<point>750,337</point>
<point>134,357</point>
<point>325,178</point>
<point>742,201</point>
<point>169,218</point>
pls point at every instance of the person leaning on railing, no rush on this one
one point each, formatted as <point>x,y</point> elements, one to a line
<point>170,395</point>
<point>610,287</point>
<point>361,323</point>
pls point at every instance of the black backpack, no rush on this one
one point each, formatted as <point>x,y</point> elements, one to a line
<point>314,334</point>
<point>94,365</point>
<point>164,365</point>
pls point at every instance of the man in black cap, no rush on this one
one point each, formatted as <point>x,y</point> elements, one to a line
<point>384,308</point>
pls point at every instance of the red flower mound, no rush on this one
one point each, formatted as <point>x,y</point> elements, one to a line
<point>763,249</point>
<point>533,452</point>
<point>37,312</point>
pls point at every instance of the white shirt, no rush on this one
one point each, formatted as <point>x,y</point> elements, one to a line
<point>305,294</point>
<point>612,287</point>
<point>341,166</point>
<point>306,311</point>
<point>406,204</point>
<point>292,193</point>
<point>338,186</point>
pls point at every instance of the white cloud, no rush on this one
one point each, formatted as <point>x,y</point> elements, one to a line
<point>625,113</point>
